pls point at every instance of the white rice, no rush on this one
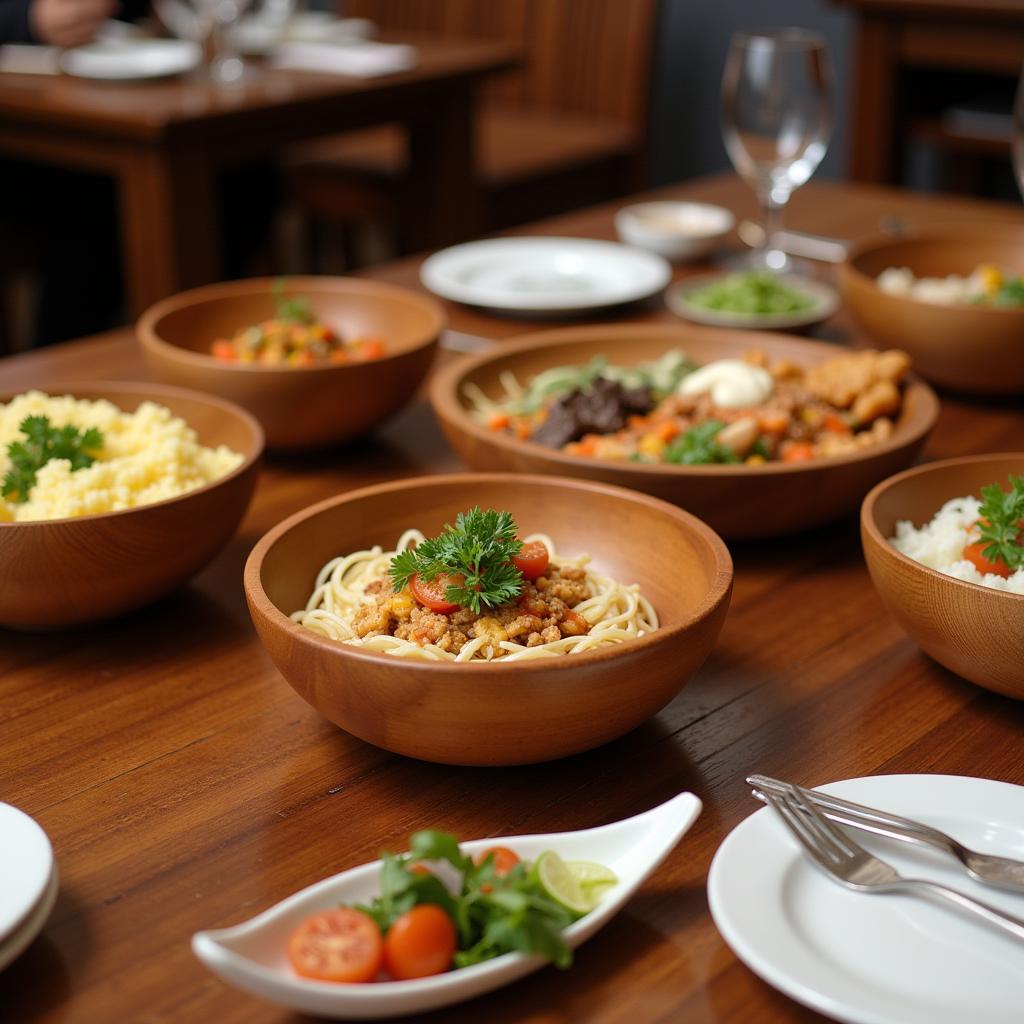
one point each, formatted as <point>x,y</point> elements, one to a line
<point>940,544</point>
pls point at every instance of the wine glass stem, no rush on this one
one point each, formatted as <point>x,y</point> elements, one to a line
<point>771,219</point>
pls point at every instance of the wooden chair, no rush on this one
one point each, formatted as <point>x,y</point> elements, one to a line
<point>567,130</point>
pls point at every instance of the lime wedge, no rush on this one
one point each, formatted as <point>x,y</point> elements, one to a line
<point>561,884</point>
<point>591,875</point>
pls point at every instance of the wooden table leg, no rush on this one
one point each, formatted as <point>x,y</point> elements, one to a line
<point>169,224</point>
<point>443,205</point>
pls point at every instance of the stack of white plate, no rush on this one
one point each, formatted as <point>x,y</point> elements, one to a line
<point>28,881</point>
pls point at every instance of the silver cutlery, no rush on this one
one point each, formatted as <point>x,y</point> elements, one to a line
<point>985,867</point>
<point>821,248</point>
<point>852,866</point>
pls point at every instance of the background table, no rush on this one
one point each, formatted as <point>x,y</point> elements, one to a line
<point>185,785</point>
<point>165,141</point>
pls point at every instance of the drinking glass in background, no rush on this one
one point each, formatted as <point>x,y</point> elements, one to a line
<point>776,121</point>
<point>209,23</point>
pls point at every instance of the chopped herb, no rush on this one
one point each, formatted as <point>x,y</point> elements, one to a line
<point>42,443</point>
<point>479,549</point>
<point>1011,293</point>
<point>294,308</point>
<point>698,447</point>
<point>754,292</point>
<point>1001,514</point>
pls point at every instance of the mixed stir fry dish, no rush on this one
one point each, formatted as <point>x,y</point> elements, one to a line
<point>755,292</point>
<point>294,337</point>
<point>986,285</point>
<point>746,410</point>
<point>439,908</point>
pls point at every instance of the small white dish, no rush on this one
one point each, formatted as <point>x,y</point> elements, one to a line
<point>252,955</point>
<point>544,275</point>
<point>131,59</point>
<point>878,959</point>
<point>18,941</point>
<point>676,230</point>
<point>26,864</point>
<point>825,303</point>
<point>258,34</point>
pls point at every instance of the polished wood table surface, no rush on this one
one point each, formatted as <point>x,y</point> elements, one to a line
<point>185,786</point>
<point>165,142</point>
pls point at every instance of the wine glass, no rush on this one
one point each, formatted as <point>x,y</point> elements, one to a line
<point>776,121</point>
<point>209,23</point>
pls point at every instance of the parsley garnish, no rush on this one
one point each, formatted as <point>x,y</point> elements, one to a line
<point>493,914</point>
<point>42,443</point>
<point>698,447</point>
<point>1000,515</point>
<point>479,548</point>
<point>295,308</point>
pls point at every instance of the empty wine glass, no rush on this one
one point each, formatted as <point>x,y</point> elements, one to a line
<point>776,121</point>
<point>209,23</point>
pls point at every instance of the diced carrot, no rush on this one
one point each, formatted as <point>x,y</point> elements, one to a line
<point>797,451</point>
<point>636,422</point>
<point>666,430</point>
<point>499,421</point>
<point>223,349</point>
<point>339,355</point>
<point>372,348</point>
<point>835,424</point>
<point>586,447</point>
<point>302,358</point>
<point>522,430</point>
<point>773,422</point>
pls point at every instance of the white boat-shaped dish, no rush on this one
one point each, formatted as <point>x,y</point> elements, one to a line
<point>252,956</point>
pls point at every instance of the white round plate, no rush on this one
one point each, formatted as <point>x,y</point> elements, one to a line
<point>26,863</point>
<point>544,275</point>
<point>130,59</point>
<point>826,302</point>
<point>867,958</point>
<point>14,944</point>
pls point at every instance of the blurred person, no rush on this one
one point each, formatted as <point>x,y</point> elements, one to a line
<point>53,22</point>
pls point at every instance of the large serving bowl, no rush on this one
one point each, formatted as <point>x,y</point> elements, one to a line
<point>973,630</point>
<point>299,407</point>
<point>965,348</point>
<point>66,572</point>
<point>737,501</point>
<point>490,713</point>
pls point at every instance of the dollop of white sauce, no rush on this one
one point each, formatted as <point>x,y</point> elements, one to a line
<point>732,383</point>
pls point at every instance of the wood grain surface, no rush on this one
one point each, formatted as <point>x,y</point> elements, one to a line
<point>186,786</point>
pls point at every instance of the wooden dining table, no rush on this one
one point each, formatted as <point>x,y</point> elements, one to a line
<point>166,141</point>
<point>184,785</point>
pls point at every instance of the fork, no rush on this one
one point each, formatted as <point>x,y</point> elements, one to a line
<point>851,865</point>
<point>985,867</point>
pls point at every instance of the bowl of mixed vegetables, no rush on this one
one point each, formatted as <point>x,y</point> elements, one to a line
<point>317,360</point>
<point>953,298</point>
<point>756,434</point>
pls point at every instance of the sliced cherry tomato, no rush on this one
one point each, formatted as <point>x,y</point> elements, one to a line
<point>532,560</point>
<point>504,859</point>
<point>337,945</point>
<point>973,554</point>
<point>432,593</point>
<point>421,942</point>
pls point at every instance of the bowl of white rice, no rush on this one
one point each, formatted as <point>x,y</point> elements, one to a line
<point>915,527</point>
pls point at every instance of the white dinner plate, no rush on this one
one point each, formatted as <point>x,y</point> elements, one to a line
<point>824,296</point>
<point>18,941</point>
<point>130,59</point>
<point>868,958</point>
<point>544,275</point>
<point>26,864</point>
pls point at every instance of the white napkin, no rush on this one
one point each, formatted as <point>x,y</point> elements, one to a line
<point>359,60</point>
<point>30,60</point>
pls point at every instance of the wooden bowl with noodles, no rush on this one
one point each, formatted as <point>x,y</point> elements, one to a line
<point>739,501</point>
<point>299,407</point>
<point>496,712</point>
<point>972,348</point>
<point>59,573</point>
<point>973,630</point>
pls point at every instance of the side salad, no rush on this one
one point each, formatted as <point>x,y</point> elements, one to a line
<point>439,909</point>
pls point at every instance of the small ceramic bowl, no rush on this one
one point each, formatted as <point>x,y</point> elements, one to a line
<point>299,407</point>
<point>975,631</point>
<point>676,230</point>
<point>966,348</point>
<point>67,572</point>
<point>490,713</point>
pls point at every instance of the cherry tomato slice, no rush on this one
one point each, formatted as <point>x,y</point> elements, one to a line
<point>421,942</point>
<point>504,859</point>
<point>431,593</point>
<point>973,554</point>
<point>532,560</point>
<point>337,945</point>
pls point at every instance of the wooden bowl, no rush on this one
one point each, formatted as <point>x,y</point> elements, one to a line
<point>490,713</point>
<point>737,501</point>
<point>974,631</point>
<point>965,348</point>
<point>299,407</point>
<point>65,572</point>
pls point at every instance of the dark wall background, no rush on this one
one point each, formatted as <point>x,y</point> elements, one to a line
<point>692,44</point>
